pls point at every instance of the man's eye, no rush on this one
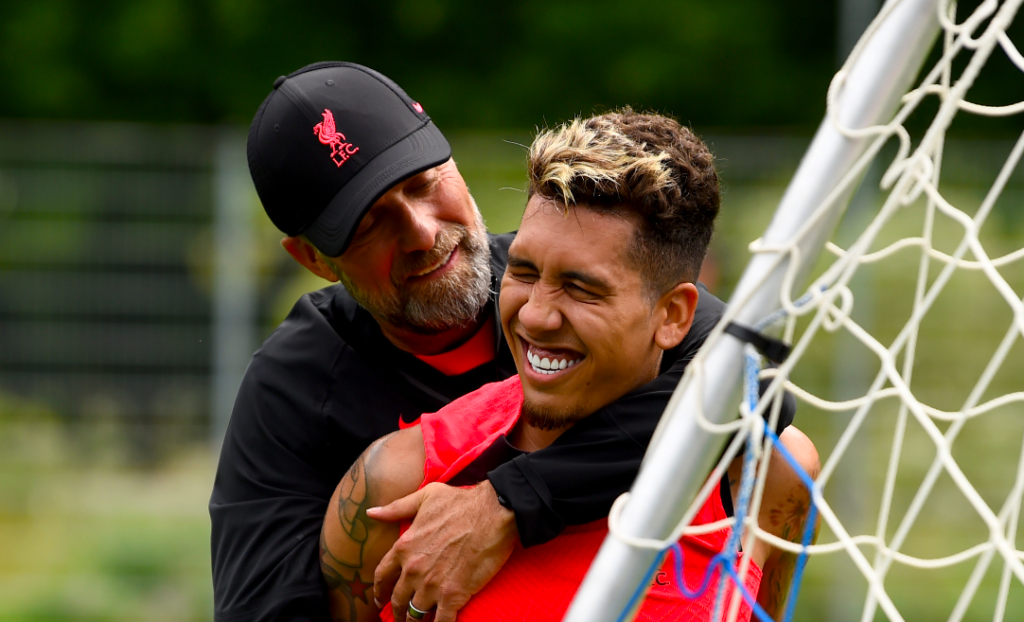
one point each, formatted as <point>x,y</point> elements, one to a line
<point>578,291</point>
<point>421,185</point>
<point>526,277</point>
<point>367,224</point>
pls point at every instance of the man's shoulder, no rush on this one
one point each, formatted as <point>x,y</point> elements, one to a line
<point>308,336</point>
<point>287,383</point>
<point>305,360</point>
<point>395,463</point>
<point>307,406</point>
<point>328,358</point>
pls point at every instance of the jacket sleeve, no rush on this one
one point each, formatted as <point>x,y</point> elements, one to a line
<point>266,514</point>
<point>281,458</point>
<point>577,478</point>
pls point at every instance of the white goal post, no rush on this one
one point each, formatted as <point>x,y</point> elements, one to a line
<point>869,102</point>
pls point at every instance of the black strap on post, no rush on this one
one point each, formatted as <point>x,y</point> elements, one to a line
<point>775,350</point>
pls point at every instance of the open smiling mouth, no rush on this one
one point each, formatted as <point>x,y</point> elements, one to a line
<point>550,363</point>
<point>431,269</point>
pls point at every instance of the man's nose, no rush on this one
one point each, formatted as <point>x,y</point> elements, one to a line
<point>541,314</point>
<point>418,228</point>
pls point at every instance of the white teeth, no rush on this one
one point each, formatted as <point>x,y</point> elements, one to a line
<point>427,271</point>
<point>548,366</point>
<point>435,266</point>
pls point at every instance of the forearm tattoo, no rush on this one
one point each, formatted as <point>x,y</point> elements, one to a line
<point>342,570</point>
<point>778,573</point>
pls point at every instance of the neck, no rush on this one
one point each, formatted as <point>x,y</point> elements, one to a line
<point>526,437</point>
<point>427,345</point>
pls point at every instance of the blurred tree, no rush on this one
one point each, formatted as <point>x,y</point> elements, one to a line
<point>736,63</point>
<point>741,62</point>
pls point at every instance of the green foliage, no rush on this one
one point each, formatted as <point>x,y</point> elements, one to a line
<point>472,64</point>
<point>738,63</point>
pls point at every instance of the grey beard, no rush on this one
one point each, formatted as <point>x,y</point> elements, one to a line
<point>452,301</point>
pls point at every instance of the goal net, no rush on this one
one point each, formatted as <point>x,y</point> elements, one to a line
<point>920,424</point>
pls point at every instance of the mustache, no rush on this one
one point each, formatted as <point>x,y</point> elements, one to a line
<point>445,242</point>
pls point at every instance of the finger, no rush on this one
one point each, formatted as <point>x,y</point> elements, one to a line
<point>422,605</point>
<point>400,509</point>
<point>400,596</point>
<point>449,603</point>
<point>444,614</point>
<point>388,571</point>
<point>421,592</point>
<point>422,613</point>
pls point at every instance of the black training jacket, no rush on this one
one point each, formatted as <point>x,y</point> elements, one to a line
<point>326,384</point>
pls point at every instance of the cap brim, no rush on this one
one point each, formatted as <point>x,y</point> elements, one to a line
<point>332,231</point>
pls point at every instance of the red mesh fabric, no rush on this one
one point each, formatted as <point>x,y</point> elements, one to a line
<point>538,583</point>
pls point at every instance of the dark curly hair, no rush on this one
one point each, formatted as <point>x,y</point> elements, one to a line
<point>645,166</point>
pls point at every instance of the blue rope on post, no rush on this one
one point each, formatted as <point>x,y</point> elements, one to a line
<point>724,560</point>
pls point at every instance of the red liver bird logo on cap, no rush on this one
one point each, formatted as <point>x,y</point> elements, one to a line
<point>329,135</point>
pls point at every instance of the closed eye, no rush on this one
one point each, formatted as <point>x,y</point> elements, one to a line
<point>580,293</point>
<point>368,224</point>
<point>525,277</point>
<point>421,184</point>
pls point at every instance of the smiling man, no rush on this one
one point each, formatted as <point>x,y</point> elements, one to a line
<point>600,282</point>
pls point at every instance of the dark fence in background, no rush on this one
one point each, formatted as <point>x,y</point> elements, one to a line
<point>134,273</point>
<point>137,273</point>
<point>106,273</point>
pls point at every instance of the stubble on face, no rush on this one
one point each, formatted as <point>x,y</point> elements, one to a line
<point>451,301</point>
<point>549,418</point>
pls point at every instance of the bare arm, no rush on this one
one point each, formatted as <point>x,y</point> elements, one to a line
<point>351,543</point>
<point>784,512</point>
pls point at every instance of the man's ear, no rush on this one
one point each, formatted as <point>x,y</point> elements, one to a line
<point>304,253</point>
<point>675,309</point>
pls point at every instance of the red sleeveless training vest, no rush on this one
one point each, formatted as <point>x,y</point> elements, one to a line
<point>538,583</point>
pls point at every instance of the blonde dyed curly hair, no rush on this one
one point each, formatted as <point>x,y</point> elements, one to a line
<point>646,166</point>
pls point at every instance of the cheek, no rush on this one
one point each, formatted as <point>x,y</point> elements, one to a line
<point>620,339</point>
<point>370,270</point>
<point>378,263</point>
<point>453,205</point>
<point>512,298</point>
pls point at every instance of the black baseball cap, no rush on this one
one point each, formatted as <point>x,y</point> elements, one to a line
<point>328,141</point>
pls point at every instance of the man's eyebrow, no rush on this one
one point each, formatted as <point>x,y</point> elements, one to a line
<point>586,279</point>
<point>568,275</point>
<point>519,262</point>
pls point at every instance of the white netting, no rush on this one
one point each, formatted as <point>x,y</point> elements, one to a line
<point>966,280</point>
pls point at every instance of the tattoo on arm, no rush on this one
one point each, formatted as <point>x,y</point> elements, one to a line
<point>342,570</point>
<point>779,569</point>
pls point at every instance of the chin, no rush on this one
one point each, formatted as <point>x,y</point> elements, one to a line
<point>551,416</point>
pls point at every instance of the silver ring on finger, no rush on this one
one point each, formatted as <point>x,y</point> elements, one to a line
<point>417,614</point>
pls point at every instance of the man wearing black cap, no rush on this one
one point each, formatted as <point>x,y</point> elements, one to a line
<point>357,176</point>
